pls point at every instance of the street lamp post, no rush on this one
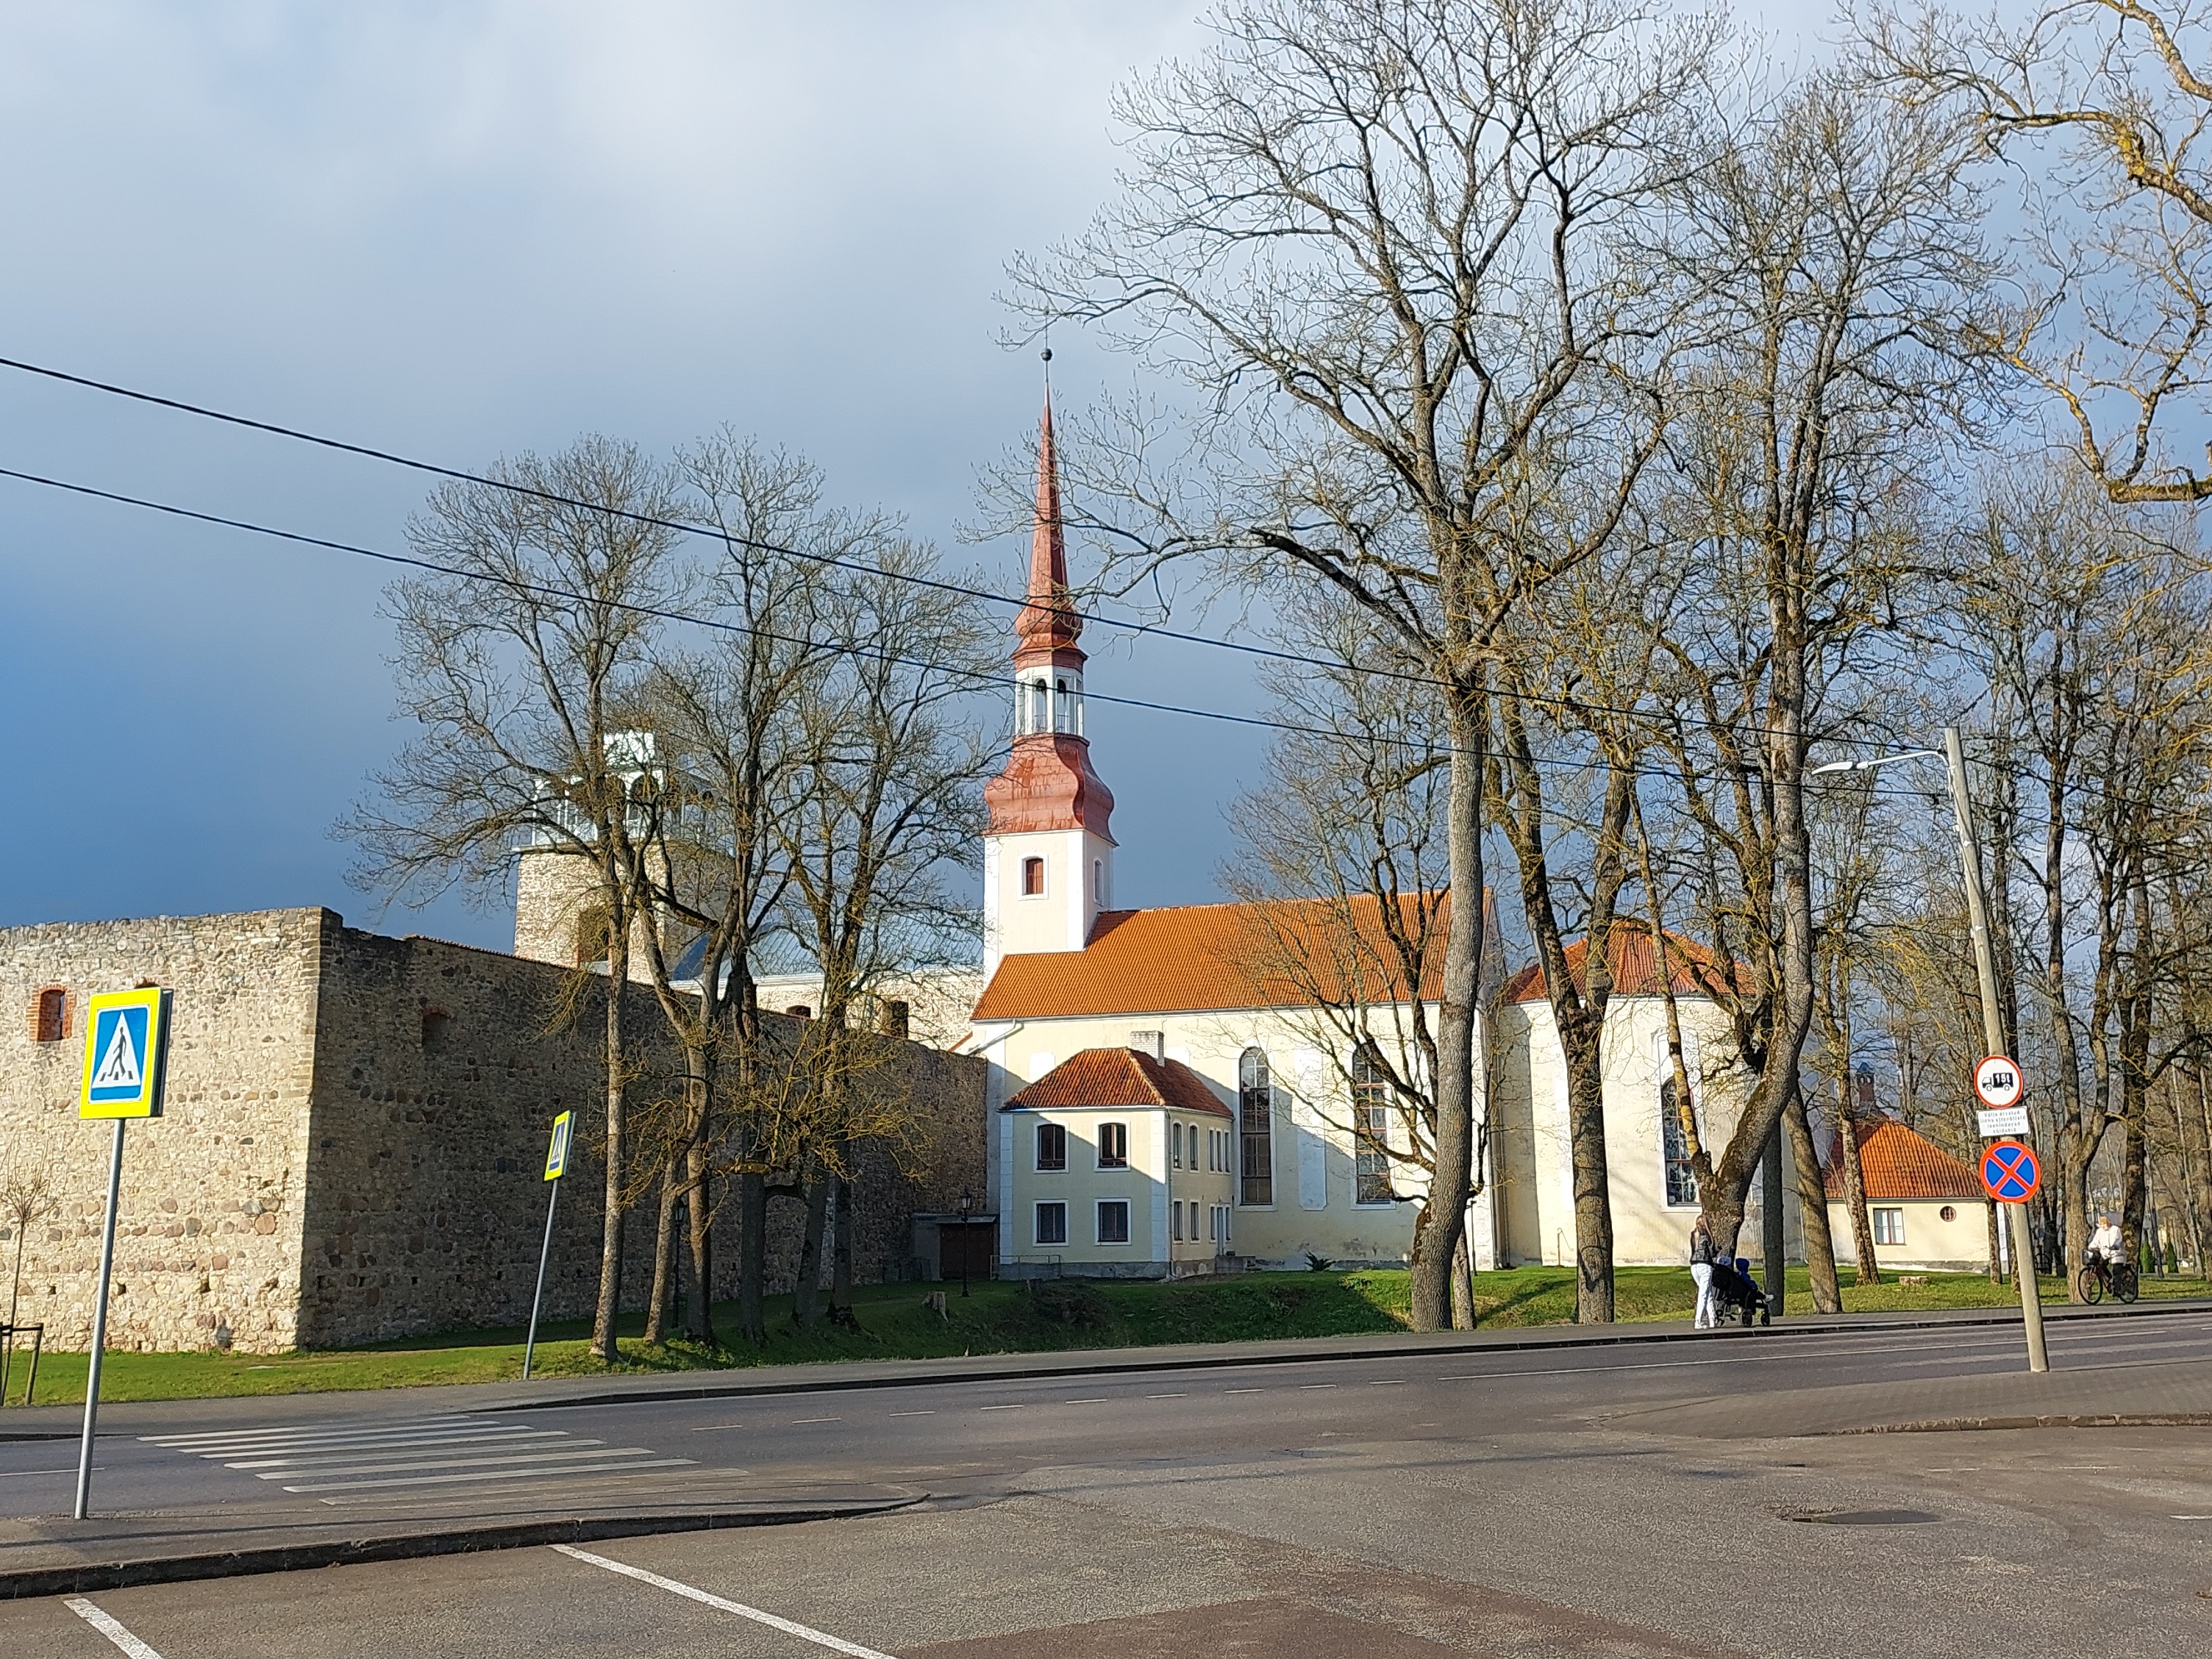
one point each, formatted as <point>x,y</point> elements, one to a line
<point>966,1209</point>
<point>2023,1251</point>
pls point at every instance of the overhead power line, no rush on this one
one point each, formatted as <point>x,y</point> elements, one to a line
<point>720,624</point>
<point>692,528</point>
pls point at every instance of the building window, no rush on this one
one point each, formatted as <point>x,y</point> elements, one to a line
<point>1174,1138</point>
<point>1178,1222</point>
<point>1113,1221</point>
<point>1052,1222</point>
<point>1255,1123</point>
<point>1674,1147</point>
<point>436,1021</point>
<point>1947,1214</point>
<point>1059,709</point>
<point>1889,1226</point>
<point>1032,877</point>
<point>1371,1123</point>
<point>1098,883</point>
<point>1113,1145</point>
<point>1051,1146</point>
<point>1038,698</point>
<point>593,931</point>
<point>50,1015</point>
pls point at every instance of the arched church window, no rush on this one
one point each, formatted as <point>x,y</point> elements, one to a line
<point>1371,1123</point>
<point>1256,1129</point>
<point>1060,722</point>
<point>1032,877</point>
<point>50,1015</point>
<point>1040,714</point>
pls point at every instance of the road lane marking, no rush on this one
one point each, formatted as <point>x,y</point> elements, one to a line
<point>1168,1396</point>
<point>17,1475</point>
<point>1087,1399</point>
<point>312,1459</point>
<point>1244,1391</point>
<point>797,1421</point>
<point>999,1408</point>
<point>706,1598</point>
<point>1331,1385</point>
<point>1389,1382</point>
<point>547,1454</point>
<point>506,1475</point>
<point>108,1627</point>
<point>926,1413</point>
<point>407,1425</point>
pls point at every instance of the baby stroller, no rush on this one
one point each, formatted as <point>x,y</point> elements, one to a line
<point>1736,1292</point>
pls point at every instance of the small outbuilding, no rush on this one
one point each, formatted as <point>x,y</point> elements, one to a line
<point>1926,1208</point>
<point>1121,1164</point>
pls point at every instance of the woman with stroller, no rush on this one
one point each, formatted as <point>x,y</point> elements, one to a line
<point>1702,1257</point>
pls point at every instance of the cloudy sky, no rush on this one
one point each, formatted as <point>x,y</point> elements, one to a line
<point>464,230</point>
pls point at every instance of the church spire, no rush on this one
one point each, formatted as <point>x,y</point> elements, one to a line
<point>1048,622</point>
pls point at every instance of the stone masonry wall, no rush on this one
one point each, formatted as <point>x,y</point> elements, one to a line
<point>438,1071</point>
<point>208,1222</point>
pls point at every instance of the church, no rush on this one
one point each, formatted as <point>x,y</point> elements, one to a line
<point>1161,1100</point>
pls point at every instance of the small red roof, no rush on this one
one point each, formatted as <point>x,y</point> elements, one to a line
<point>1119,1077</point>
<point>1187,957</point>
<point>1897,1163</point>
<point>1635,966</point>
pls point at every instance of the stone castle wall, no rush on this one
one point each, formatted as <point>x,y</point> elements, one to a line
<point>208,1230</point>
<point>353,1144</point>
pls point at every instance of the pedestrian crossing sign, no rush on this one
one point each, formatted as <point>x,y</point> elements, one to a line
<point>557,1153</point>
<point>126,1049</point>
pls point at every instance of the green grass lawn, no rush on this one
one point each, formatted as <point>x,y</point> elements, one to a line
<point>996,1318</point>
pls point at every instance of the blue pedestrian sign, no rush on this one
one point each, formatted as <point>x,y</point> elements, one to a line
<point>125,1043</point>
<point>2009,1172</point>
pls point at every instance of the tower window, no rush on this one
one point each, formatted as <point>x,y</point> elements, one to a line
<point>50,1015</point>
<point>1060,709</point>
<point>1032,877</point>
<point>1039,718</point>
<point>435,1024</point>
<point>1098,883</point>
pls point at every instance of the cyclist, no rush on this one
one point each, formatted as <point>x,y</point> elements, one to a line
<point>2107,1249</point>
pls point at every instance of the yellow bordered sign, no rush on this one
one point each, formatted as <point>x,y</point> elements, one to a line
<point>126,1049</point>
<point>557,1154</point>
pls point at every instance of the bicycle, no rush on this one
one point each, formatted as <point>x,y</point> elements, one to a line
<point>2119,1277</point>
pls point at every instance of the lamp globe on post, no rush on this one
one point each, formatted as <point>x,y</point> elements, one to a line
<point>967,1209</point>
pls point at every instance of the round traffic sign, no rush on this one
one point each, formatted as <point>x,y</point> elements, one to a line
<point>1998,1081</point>
<point>2010,1174</point>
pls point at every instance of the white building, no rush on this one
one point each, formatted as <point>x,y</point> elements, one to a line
<point>1099,1021</point>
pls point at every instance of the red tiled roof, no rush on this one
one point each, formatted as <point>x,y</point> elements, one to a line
<point>1635,966</point>
<point>1119,1077</point>
<point>1200,956</point>
<point>1897,1163</point>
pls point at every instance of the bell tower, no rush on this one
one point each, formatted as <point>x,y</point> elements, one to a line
<point>1048,853</point>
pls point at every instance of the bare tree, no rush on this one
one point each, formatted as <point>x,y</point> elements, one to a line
<point>891,812</point>
<point>1385,245</point>
<point>2099,108</point>
<point>516,660</point>
<point>1838,238</point>
<point>1343,860</point>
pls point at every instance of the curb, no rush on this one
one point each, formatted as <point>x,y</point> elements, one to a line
<point>360,1552</point>
<point>2064,1421</point>
<point>1184,1360</point>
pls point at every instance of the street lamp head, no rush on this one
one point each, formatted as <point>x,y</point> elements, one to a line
<point>966,1204</point>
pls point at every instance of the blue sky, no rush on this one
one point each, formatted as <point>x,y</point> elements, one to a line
<point>464,230</point>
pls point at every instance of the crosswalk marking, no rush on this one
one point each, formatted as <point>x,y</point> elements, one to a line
<point>334,1461</point>
<point>109,1627</point>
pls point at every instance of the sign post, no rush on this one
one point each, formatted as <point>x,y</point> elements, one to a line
<point>557,1165</point>
<point>127,1050</point>
<point>2023,1246</point>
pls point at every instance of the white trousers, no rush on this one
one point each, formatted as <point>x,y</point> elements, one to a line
<point>1708,1315</point>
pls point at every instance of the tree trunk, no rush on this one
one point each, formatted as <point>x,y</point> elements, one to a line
<point>1868,1270</point>
<point>806,1294</point>
<point>698,1310</point>
<point>1594,1302</point>
<point>663,1299</point>
<point>1462,1287</point>
<point>1452,1179</point>
<point>1812,1200</point>
<point>604,1345</point>
<point>752,1255</point>
<point>1774,1244</point>
<point>841,1251</point>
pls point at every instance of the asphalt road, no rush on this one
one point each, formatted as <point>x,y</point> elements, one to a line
<point>1620,1501</point>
